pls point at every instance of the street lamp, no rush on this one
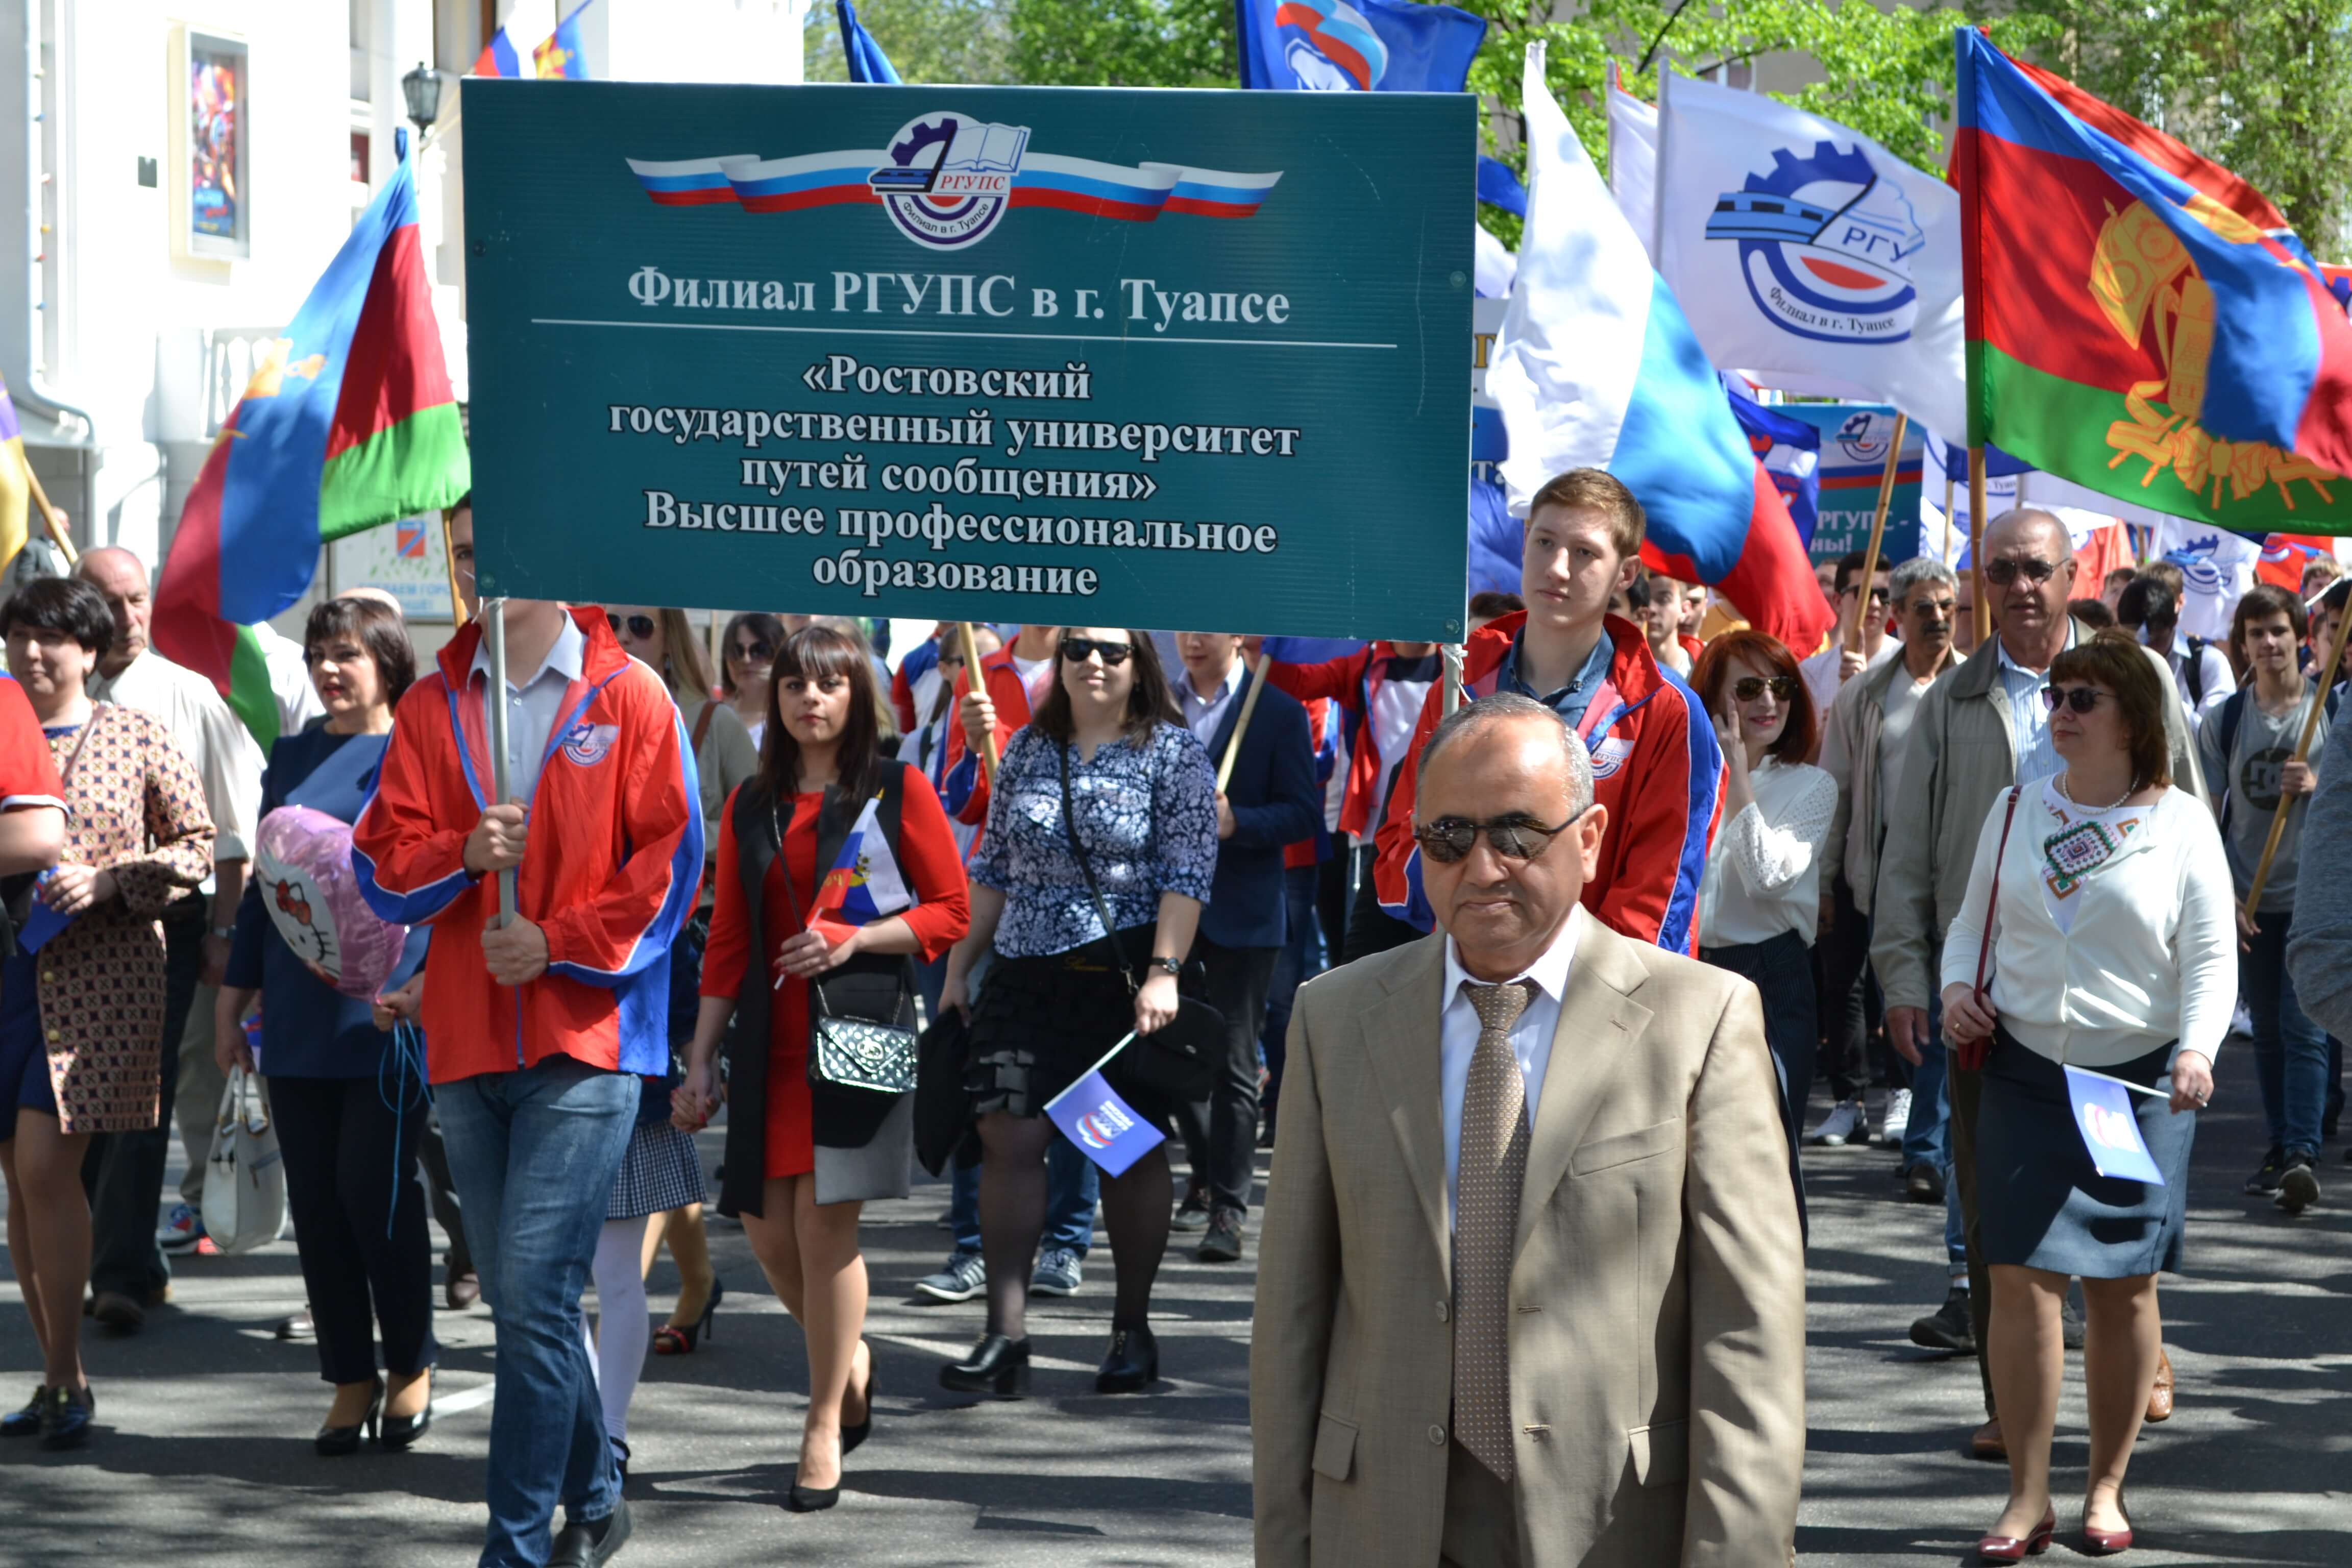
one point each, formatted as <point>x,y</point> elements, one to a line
<point>421,88</point>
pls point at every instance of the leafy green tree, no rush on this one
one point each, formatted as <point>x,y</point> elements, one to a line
<point>2262,87</point>
<point>927,40</point>
<point>1124,43</point>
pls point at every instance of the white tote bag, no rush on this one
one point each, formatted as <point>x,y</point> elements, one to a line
<point>245,1180</point>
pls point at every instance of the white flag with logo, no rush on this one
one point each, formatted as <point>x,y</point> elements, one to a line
<point>1807,255</point>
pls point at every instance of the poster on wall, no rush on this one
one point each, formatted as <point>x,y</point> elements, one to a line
<point>1855,437</point>
<point>219,209</point>
<point>405,560</point>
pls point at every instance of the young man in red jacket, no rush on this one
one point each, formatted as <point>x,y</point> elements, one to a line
<point>1656,769</point>
<point>535,1031</point>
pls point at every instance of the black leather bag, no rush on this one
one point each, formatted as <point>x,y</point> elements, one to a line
<point>1179,1060</point>
<point>943,1105</point>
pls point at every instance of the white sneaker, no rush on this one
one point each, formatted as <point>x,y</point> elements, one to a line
<point>1846,1119</point>
<point>1897,1120</point>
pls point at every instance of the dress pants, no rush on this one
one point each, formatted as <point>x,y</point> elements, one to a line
<point>197,1096</point>
<point>1849,1005</point>
<point>1298,962</point>
<point>1221,1131</point>
<point>358,1220</point>
<point>441,1192</point>
<point>1482,1516</point>
<point>123,1172</point>
<point>535,1154</point>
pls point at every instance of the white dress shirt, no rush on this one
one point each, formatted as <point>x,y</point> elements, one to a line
<point>228,760</point>
<point>1457,1037</point>
<point>1203,714</point>
<point>535,703</point>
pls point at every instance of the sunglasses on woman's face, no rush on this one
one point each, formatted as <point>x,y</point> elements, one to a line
<point>1748,687</point>
<point>1114,654</point>
<point>640,627</point>
<point>751,650</point>
<point>1451,839</point>
<point>2081,699</point>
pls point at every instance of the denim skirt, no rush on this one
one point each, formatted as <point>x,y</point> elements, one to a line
<point>2040,1201</point>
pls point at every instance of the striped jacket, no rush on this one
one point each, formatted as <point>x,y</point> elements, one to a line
<point>612,870</point>
<point>1655,767</point>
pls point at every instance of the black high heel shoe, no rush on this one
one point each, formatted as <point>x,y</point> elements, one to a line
<point>1132,1365</point>
<point>399,1431</point>
<point>814,1500</point>
<point>853,1435</point>
<point>333,1442</point>
<point>672,1339</point>
<point>997,1365</point>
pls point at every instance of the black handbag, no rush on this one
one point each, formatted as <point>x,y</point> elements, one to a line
<point>1179,1060</point>
<point>858,1040</point>
<point>943,1105</point>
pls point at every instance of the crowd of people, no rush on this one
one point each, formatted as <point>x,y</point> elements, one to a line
<point>849,907</point>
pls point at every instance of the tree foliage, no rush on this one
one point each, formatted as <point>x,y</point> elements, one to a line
<point>927,40</point>
<point>1124,43</point>
<point>2262,87</point>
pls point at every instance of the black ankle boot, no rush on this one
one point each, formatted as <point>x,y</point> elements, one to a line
<point>1133,1363</point>
<point>997,1365</point>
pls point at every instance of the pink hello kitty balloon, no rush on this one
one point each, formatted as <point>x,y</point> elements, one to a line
<point>303,858</point>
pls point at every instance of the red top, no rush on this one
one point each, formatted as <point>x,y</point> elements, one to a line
<point>29,773</point>
<point>927,859</point>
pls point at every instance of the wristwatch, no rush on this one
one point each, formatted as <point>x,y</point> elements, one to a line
<point>1169,966</point>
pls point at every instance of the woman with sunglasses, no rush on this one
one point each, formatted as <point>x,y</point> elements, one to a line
<point>805,1153</point>
<point>2112,949</point>
<point>1106,754</point>
<point>1760,903</point>
<point>748,662</point>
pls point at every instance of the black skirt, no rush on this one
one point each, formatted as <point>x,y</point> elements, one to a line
<point>2044,1205</point>
<point>1040,1023</point>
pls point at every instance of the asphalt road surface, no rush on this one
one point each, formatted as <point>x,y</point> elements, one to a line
<point>203,1451</point>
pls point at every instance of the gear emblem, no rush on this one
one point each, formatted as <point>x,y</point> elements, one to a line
<point>1825,245</point>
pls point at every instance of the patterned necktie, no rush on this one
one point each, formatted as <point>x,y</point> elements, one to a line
<point>1491,1166</point>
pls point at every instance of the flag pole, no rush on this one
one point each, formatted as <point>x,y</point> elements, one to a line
<point>1123,1041</point>
<point>1948,506</point>
<point>1450,675</point>
<point>58,534</point>
<point>494,643</point>
<point>973,682</point>
<point>449,564</point>
<point>1877,530</point>
<point>1249,706</point>
<point>1975,544</point>
<point>2301,750</point>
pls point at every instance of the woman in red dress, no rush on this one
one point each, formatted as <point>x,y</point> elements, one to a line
<point>803,1157</point>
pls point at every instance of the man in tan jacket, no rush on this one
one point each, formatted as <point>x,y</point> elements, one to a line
<point>1542,1295</point>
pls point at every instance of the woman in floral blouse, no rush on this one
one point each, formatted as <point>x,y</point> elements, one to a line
<point>91,999</point>
<point>1056,997</point>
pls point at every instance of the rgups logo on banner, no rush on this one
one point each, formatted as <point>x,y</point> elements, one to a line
<point>1825,245</point>
<point>947,179</point>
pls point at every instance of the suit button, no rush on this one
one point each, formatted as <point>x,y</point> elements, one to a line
<point>1437,1437</point>
<point>53,1036</point>
<point>1440,1311</point>
<point>49,976</point>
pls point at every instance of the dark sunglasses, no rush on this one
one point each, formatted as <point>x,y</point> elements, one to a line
<point>1451,839</point>
<point>1114,654</point>
<point>1878,596</point>
<point>640,627</point>
<point>1748,687</point>
<point>2081,699</point>
<point>2002,573</point>
<point>751,650</point>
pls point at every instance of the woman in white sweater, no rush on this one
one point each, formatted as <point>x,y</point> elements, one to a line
<point>1760,902</point>
<point>2113,948</point>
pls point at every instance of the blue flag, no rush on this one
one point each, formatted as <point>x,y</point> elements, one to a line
<point>1106,1129</point>
<point>1791,451</point>
<point>1356,45</point>
<point>1499,187</point>
<point>866,61</point>
<point>2103,1115</point>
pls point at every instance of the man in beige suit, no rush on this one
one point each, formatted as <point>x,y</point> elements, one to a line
<point>1541,1295</point>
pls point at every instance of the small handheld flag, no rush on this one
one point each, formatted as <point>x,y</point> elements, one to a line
<point>1106,1129</point>
<point>2103,1115</point>
<point>864,884</point>
<point>43,922</point>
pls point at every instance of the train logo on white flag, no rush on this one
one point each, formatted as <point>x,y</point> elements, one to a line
<point>1825,245</point>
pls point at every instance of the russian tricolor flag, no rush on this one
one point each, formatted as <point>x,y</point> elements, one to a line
<point>1598,368</point>
<point>865,884</point>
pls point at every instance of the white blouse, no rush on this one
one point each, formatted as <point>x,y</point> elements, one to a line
<point>1764,869</point>
<point>2116,931</point>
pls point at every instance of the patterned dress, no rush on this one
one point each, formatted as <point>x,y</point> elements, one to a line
<point>135,807</point>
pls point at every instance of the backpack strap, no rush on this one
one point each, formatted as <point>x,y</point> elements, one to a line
<point>2232,713</point>
<point>2195,672</point>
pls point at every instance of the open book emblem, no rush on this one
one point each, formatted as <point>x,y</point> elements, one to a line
<point>950,179</point>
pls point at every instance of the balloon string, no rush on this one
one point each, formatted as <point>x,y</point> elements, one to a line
<point>405,1059</point>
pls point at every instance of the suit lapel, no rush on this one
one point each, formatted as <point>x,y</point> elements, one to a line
<point>1401,1038</point>
<point>1600,1027</point>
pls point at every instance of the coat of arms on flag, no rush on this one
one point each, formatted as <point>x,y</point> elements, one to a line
<point>864,884</point>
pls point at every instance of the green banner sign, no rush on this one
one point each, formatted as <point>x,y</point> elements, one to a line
<point>1060,355</point>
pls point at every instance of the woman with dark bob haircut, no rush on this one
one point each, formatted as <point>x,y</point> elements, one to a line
<point>787,955</point>
<point>349,1097</point>
<point>80,1029</point>
<point>2111,947</point>
<point>1760,903</point>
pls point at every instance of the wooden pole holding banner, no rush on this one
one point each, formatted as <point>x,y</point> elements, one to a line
<point>1877,532</point>
<point>2301,750</point>
<point>1241,725</point>
<point>973,682</point>
<point>49,519</point>
<point>1975,544</point>
<point>449,562</point>
<point>494,643</point>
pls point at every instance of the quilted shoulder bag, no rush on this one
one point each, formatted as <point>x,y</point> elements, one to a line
<point>847,1050</point>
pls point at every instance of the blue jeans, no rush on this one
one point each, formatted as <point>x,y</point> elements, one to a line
<point>534,1154</point>
<point>2289,1050</point>
<point>1072,1187</point>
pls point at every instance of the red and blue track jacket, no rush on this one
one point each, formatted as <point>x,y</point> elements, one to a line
<point>964,791</point>
<point>1352,680</point>
<point>1655,767</point>
<point>612,870</point>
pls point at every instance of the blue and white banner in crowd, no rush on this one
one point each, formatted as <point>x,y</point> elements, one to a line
<point>1106,1130</point>
<point>1369,45</point>
<point>2103,1114</point>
